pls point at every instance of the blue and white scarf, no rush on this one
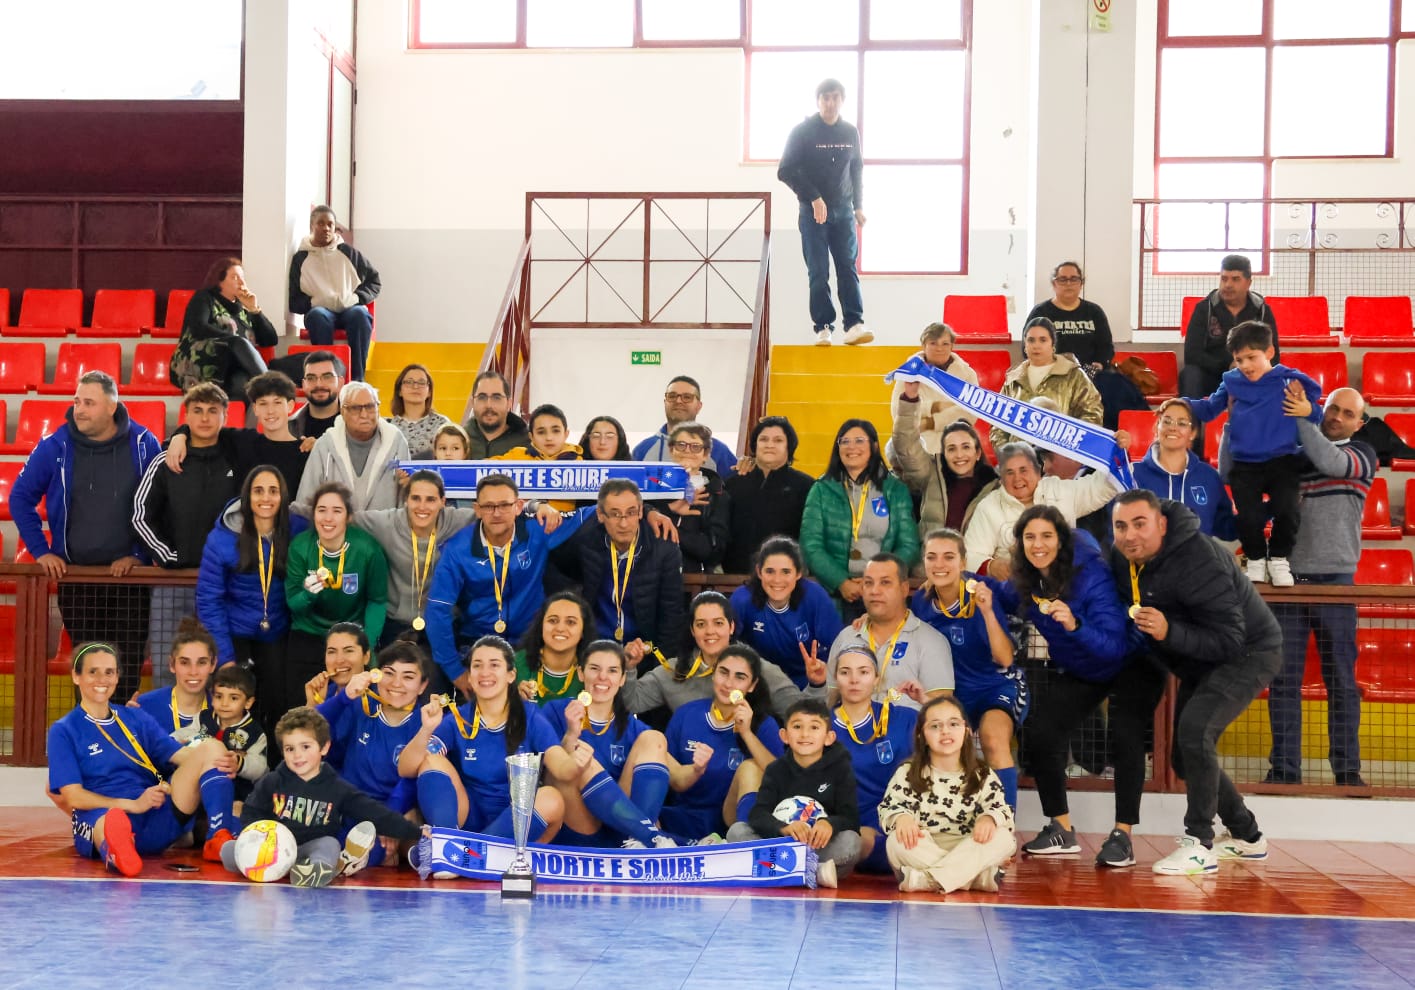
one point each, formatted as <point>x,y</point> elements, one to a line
<point>559,479</point>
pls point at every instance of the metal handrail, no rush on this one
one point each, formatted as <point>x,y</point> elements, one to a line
<point>758,351</point>
<point>509,339</point>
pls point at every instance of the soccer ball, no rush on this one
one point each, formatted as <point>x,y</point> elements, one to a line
<point>265,851</point>
<point>798,809</point>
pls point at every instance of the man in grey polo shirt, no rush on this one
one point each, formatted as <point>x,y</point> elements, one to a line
<point>914,657</point>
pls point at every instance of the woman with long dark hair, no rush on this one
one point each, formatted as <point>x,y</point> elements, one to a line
<point>551,650</point>
<point>604,439</point>
<point>217,331</point>
<point>787,617</point>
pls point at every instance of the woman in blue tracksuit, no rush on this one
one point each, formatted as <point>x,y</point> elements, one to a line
<point>241,584</point>
<point>1063,585</point>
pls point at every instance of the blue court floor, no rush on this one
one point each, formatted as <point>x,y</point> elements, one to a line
<point>95,933</point>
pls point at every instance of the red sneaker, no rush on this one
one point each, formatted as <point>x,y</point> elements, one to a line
<point>211,851</point>
<point>122,850</point>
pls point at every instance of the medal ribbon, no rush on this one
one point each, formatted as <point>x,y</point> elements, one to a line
<point>965,606</point>
<point>462,725</point>
<point>590,725</point>
<point>1135,583</point>
<point>542,690</point>
<point>698,662</point>
<point>618,592</point>
<point>267,571</point>
<point>870,633</point>
<point>857,512</point>
<point>420,581</point>
<point>138,755</point>
<point>177,716</point>
<point>878,726</point>
<point>497,585</point>
<point>338,577</point>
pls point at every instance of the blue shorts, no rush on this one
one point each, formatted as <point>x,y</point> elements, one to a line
<point>691,823</point>
<point>605,838</point>
<point>153,831</point>
<point>1006,692</point>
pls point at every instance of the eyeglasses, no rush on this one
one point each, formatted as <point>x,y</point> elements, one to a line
<point>687,446</point>
<point>680,396</point>
<point>854,441</point>
<point>490,397</point>
<point>1175,424</point>
<point>605,436</point>
<point>1068,280</point>
<point>328,376</point>
<point>417,383</point>
<point>629,516</point>
<point>492,508</point>
<point>362,409</point>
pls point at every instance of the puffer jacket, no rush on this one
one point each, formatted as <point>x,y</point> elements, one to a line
<point>1065,384</point>
<point>826,527</point>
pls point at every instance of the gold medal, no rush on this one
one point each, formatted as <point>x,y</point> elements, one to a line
<point>855,554</point>
<point>584,698</point>
<point>1134,610</point>
<point>375,675</point>
<point>970,586</point>
<point>443,701</point>
<point>419,623</point>
<point>265,625</point>
<point>1045,607</point>
<point>735,697</point>
<point>891,696</point>
<point>499,626</point>
<point>324,574</point>
<point>619,633</point>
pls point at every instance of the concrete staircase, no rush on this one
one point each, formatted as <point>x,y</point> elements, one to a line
<point>453,368</point>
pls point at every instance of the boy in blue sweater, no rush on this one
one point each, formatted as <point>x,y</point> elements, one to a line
<point>1262,442</point>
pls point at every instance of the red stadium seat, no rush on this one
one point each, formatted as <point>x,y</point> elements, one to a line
<point>1165,365</point>
<point>1327,367</point>
<point>49,313</point>
<point>38,419</point>
<point>992,366</point>
<point>984,429</point>
<point>1140,424</point>
<point>151,413</point>
<point>1388,379</point>
<point>151,364</point>
<point>177,301</point>
<point>1410,507</point>
<point>1385,664</point>
<point>1385,567</point>
<point>1186,310</point>
<point>1303,321</point>
<point>1375,519</point>
<point>1403,424</point>
<point>4,307</point>
<point>21,366</point>
<point>77,359</point>
<point>1379,321</point>
<point>235,415</point>
<point>980,319</point>
<point>121,313</point>
<point>1213,431</point>
<point>9,471</point>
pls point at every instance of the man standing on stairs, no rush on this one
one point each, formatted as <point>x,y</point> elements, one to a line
<point>823,166</point>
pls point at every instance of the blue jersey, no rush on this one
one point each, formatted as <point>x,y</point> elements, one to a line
<point>369,743</point>
<point>778,636</point>
<point>690,726</point>
<point>88,752</point>
<point>482,760</point>
<point>875,760</point>
<point>158,704</point>
<point>973,666</point>
<point>611,747</point>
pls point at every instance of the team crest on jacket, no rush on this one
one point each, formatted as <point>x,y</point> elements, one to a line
<point>803,633</point>
<point>900,648</point>
<point>351,584</point>
<point>956,635</point>
<point>618,753</point>
<point>1200,494</point>
<point>523,559</point>
<point>879,507</point>
<point>884,751</point>
<point>734,758</point>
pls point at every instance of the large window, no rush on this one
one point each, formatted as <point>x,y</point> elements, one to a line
<point>904,65</point>
<point>1242,83</point>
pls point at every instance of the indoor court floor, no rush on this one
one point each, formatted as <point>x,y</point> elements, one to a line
<point>1316,914</point>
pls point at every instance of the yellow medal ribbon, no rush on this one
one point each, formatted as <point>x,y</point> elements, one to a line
<point>542,690</point>
<point>381,704</point>
<point>1135,589</point>
<point>698,662</point>
<point>498,585</point>
<point>138,755</point>
<point>420,580</point>
<point>618,592</point>
<point>965,605</point>
<point>878,726</point>
<point>1043,604</point>
<point>857,512</point>
<point>267,571</point>
<point>889,652</point>
<point>177,716</point>
<point>462,724</point>
<point>337,579</point>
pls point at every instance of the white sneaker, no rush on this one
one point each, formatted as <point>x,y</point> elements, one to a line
<point>1189,859</point>
<point>1280,572</point>
<point>357,846</point>
<point>916,881</point>
<point>825,874</point>
<point>1228,847</point>
<point>823,337</point>
<point>660,841</point>
<point>1258,571</point>
<point>858,334</point>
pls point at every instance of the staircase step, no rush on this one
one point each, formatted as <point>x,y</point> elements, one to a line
<point>453,367</point>
<point>825,388</point>
<point>839,359</point>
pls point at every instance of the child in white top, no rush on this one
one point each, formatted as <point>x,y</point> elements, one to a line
<point>944,812</point>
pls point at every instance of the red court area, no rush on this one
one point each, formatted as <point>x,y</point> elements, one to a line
<point>1311,878</point>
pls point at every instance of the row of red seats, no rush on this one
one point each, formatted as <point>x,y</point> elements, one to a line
<point>40,417</point>
<point>1141,427</point>
<point>1305,321</point>
<point>116,313</point>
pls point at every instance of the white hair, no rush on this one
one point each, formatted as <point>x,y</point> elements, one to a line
<point>351,388</point>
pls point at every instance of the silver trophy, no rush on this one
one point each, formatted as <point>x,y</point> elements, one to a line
<point>523,774</point>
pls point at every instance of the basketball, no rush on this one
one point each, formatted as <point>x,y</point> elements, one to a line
<point>265,851</point>
<point>798,809</point>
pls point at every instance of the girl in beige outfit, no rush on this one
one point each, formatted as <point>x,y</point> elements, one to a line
<point>1043,372</point>
<point>935,410</point>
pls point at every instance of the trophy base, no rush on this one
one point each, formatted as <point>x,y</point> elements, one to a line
<point>520,885</point>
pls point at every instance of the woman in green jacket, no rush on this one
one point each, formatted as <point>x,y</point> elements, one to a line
<point>854,511</point>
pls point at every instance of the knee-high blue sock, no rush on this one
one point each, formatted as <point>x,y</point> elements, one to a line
<point>1008,776</point>
<point>648,788</point>
<point>217,793</point>
<point>745,804</point>
<point>607,801</point>
<point>438,799</point>
<point>501,826</point>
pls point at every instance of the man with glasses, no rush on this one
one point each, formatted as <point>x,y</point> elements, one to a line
<point>360,452</point>
<point>494,428</point>
<point>488,580</point>
<point>323,377</point>
<point>681,404</point>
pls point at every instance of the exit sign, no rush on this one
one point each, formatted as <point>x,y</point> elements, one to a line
<point>646,357</point>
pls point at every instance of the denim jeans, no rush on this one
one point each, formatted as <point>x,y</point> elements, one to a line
<point>819,243</point>
<point>357,326</point>
<point>1206,706</point>
<point>1335,628</point>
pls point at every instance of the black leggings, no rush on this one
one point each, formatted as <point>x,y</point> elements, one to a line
<point>246,363</point>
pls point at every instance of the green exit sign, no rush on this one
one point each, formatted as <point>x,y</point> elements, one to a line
<point>646,357</point>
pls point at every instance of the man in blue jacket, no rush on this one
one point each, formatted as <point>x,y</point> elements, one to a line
<point>87,472</point>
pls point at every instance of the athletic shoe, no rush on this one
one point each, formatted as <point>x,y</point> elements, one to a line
<point>858,334</point>
<point>1280,572</point>
<point>712,839</point>
<point>211,850</point>
<point>988,880</point>
<point>1053,840</point>
<point>122,849</point>
<point>917,881</point>
<point>1276,776</point>
<point>1351,778</point>
<point>1117,850</point>
<point>825,874</point>
<point>357,846</point>
<point>660,841</point>
<point>823,337</point>
<point>308,873</point>
<point>1258,571</point>
<point>1226,846</point>
<point>1190,859</point>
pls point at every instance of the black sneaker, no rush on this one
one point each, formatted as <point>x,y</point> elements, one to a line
<point>1116,850</point>
<point>1053,840</point>
<point>1351,778</point>
<point>1276,776</point>
<point>309,873</point>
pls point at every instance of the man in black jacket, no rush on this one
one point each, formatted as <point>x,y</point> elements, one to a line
<point>173,514</point>
<point>494,428</point>
<point>632,579</point>
<point>1206,355</point>
<point>1196,613</point>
